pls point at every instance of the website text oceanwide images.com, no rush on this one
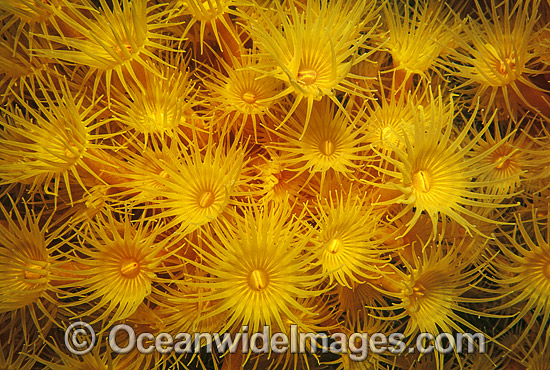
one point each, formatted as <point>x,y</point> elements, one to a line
<point>80,339</point>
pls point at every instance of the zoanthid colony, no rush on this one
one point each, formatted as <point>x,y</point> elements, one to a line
<point>315,166</point>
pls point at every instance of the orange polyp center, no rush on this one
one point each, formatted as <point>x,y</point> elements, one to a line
<point>307,76</point>
<point>280,176</point>
<point>334,246</point>
<point>206,199</point>
<point>258,280</point>
<point>503,68</point>
<point>163,174</point>
<point>129,268</point>
<point>421,181</point>
<point>503,162</point>
<point>33,273</point>
<point>119,50</point>
<point>385,134</point>
<point>546,270</point>
<point>69,152</point>
<point>281,181</point>
<point>327,147</point>
<point>249,97</point>
<point>418,291</point>
<point>508,62</point>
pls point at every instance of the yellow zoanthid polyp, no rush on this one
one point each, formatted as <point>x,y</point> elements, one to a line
<point>332,140</point>
<point>513,158</point>
<point>387,119</point>
<point>144,169</point>
<point>350,235</point>
<point>258,268</point>
<point>391,116</point>
<point>313,51</point>
<point>524,271</point>
<point>497,60</point>
<point>239,97</point>
<point>162,103</point>
<point>196,184</point>
<point>17,69</point>
<point>432,293</point>
<point>118,262</point>
<point>433,172</point>
<point>114,42</point>
<point>31,264</point>
<point>418,37</point>
<point>46,144</point>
